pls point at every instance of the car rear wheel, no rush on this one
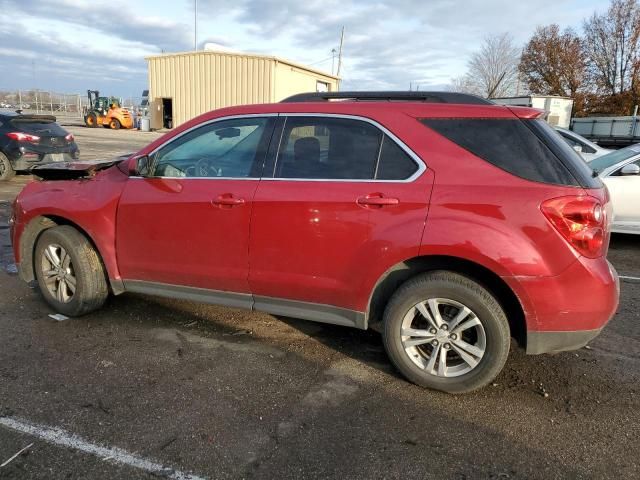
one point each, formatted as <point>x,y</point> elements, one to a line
<point>6,170</point>
<point>69,271</point>
<point>446,332</point>
<point>114,124</point>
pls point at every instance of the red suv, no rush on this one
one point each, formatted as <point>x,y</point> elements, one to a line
<point>448,222</point>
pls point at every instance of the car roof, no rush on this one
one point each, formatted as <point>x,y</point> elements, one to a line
<point>8,113</point>
<point>376,109</point>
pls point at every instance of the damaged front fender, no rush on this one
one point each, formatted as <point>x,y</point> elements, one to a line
<point>74,170</point>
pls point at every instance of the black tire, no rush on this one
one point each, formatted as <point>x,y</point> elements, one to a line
<point>458,289</point>
<point>85,267</point>
<point>6,169</point>
<point>91,120</point>
<point>114,124</point>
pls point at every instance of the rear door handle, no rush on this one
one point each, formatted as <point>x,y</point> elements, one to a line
<point>377,200</point>
<point>227,200</point>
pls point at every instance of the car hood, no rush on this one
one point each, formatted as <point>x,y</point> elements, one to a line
<point>74,170</point>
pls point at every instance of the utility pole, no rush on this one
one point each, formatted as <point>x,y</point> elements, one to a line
<point>195,26</point>
<point>333,60</point>
<point>340,53</point>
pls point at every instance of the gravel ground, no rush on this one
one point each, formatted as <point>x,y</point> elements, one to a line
<point>225,393</point>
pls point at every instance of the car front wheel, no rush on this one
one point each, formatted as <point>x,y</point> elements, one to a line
<point>446,332</point>
<point>6,170</point>
<point>69,271</point>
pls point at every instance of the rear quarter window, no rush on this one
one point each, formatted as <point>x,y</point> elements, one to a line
<point>513,146</point>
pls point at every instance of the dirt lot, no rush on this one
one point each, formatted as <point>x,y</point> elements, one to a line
<point>209,392</point>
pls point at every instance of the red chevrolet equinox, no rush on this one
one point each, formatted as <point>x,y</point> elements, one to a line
<point>446,222</point>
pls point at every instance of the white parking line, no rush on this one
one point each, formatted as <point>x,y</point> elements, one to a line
<point>58,436</point>
<point>633,279</point>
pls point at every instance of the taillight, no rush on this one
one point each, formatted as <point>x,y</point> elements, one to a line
<point>23,137</point>
<point>582,222</point>
<point>69,138</point>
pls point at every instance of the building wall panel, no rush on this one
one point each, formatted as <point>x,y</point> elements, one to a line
<point>198,82</point>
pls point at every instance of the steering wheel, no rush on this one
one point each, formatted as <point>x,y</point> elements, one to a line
<point>204,168</point>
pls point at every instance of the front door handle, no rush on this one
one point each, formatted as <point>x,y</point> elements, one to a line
<point>377,200</point>
<point>227,200</point>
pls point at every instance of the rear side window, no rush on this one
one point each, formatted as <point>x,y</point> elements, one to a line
<point>394,163</point>
<point>328,148</point>
<point>508,144</point>
<point>340,149</point>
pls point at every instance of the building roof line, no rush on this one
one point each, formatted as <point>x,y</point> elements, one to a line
<point>247,55</point>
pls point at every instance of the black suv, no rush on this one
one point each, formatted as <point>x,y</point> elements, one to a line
<point>27,140</point>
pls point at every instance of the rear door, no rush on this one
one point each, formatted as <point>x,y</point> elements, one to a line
<point>344,198</point>
<point>188,224</point>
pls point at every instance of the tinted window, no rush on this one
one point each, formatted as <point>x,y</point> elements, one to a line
<point>229,148</point>
<point>610,159</point>
<point>508,144</point>
<point>572,160</point>
<point>43,128</point>
<point>618,173</point>
<point>394,163</point>
<point>328,148</point>
<point>573,143</point>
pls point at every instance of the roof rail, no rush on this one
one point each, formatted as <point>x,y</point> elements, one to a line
<point>427,97</point>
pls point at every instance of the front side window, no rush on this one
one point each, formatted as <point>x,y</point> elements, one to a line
<point>339,149</point>
<point>230,148</point>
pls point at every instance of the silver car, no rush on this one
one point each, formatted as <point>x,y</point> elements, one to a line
<point>620,171</point>
<point>586,148</point>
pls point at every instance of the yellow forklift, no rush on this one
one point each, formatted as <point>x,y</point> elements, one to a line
<point>106,111</point>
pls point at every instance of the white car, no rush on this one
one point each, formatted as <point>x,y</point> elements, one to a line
<point>587,149</point>
<point>620,171</point>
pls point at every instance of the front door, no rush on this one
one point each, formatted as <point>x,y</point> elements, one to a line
<point>343,200</point>
<point>625,197</point>
<point>188,223</point>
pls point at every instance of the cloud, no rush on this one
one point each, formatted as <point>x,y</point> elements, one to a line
<point>391,43</point>
<point>388,43</point>
<point>68,45</point>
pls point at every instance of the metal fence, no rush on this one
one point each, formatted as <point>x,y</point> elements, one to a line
<point>60,104</point>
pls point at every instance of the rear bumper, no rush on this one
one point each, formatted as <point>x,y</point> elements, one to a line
<point>23,158</point>
<point>553,342</point>
<point>566,311</point>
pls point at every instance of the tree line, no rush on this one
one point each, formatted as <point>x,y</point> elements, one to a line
<point>599,68</point>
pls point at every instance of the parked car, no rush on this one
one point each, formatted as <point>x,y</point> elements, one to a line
<point>446,222</point>
<point>586,148</point>
<point>620,171</point>
<point>28,140</point>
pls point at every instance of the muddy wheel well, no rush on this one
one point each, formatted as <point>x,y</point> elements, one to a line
<point>402,272</point>
<point>30,236</point>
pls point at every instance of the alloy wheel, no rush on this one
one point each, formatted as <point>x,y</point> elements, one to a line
<point>58,273</point>
<point>443,337</point>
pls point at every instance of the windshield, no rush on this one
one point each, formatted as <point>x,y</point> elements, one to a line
<point>610,159</point>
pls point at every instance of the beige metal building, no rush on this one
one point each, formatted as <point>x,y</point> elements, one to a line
<point>184,85</point>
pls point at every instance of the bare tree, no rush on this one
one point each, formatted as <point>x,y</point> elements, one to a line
<point>462,84</point>
<point>612,44</point>
<point>493,70</point>
<point>554,63</point>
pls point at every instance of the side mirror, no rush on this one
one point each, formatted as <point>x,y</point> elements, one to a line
<point>630,169</point>
<point>577,148</point>
<point>140,166</point>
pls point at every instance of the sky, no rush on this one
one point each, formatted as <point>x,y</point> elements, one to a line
<point>69,46</point>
